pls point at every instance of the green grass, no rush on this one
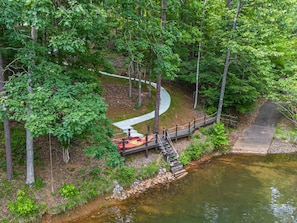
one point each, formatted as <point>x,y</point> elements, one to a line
<point>285,132</point>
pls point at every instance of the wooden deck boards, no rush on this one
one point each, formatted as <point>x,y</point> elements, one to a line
<point>178,134</point>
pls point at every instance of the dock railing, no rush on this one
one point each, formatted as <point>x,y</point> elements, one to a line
<point>178,132</point>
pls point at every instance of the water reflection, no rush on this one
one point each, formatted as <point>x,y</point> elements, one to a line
<point>231,188</point>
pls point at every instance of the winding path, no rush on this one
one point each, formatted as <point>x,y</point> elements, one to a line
<point>127,124</point>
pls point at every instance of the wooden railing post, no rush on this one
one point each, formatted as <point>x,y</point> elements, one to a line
<point>176,133</point>
<point>163,133</point>
<point>123,150</point>
<point>146,149</point>
<point>189,130</point>
<point>129,132</point>
<point>148,129</point>
<point>156,133</point>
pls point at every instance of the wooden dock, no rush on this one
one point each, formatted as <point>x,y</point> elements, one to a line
<point>163,142</point>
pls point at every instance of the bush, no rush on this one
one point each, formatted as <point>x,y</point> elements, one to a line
<point>218,135</point>
<point>148,171</point>
<point>39,183</point>
<point>193,151</point>
<point>23,206</point>
<point>68,191</point>
<point>125,175</point>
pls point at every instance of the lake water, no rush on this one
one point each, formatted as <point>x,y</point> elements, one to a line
<point>231,189</point>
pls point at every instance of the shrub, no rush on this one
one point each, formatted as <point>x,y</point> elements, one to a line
<point>68,191</point>
<point>23,206</point>
<point>192,152</point>
<point>125,175</point>
<point>39,183</point>
<point>114,159</point>
<point>149,170</point>
<point>218,135</point>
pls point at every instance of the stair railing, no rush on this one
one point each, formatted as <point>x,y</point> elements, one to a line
<point>171,145</point>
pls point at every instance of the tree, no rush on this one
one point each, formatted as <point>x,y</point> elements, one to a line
<point>9,169</point>
<point>69,104</point>
<point>198,61</point>
<point>159,74</point>
<point>220,107</point>
<point>285,96</point>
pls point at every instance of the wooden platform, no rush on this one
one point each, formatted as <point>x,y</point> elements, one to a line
<point>175,133</point>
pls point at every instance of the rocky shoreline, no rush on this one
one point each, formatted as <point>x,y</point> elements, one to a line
<point>277,146</point>
<point>139,187</point>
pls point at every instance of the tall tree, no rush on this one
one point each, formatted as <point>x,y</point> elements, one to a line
<point>198,59</point>
<point>220,106</point>
<point>9,169</point>
<point>159,75</point>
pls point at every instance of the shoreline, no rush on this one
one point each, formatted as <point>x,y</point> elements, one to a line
<point>278,146</point>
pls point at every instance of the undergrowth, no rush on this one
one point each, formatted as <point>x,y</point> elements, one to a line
<point>216,140</point>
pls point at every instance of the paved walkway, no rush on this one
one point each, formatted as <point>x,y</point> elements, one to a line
<point>127,124</point>
<point>257,138</point>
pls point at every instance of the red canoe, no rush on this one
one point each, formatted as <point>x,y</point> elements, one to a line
<point>132,142</point>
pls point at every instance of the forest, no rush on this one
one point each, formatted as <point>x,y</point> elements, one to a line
<point>230,53</point>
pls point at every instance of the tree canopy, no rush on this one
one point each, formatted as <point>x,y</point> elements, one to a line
<point>51,51</point>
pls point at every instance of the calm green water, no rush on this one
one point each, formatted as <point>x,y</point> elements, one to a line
<point>231,189</point>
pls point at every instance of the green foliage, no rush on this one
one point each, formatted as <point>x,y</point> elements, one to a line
<point>216,138</point>
<point>68,191</point>
<point>114,159</point>
<point>23,206</point>
<point>193,151</point>
<point>39,183</point>
<point>148,171</point>
<point>218,135</point>
<point>288,133</point>
<point>18,144</point>
<point>125,175</point>
<point>95,171</point>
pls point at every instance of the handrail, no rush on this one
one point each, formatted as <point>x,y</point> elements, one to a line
<point>171,145</point>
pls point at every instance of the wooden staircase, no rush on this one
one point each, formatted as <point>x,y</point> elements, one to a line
<point>171,156</point>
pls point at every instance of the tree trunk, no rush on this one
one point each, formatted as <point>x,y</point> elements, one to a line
<point>29,138</point>
<point>9,170</point>
<point>198,62</point>
<point>159,75</point>
<point>139,86</point>
<point>130,81</point>
<point>220,107</point>
<point>150,74</point>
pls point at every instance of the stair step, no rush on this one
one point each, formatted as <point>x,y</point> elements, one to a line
<point>180,172</point>
<point>174,169</point>
<point>181,176</point>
